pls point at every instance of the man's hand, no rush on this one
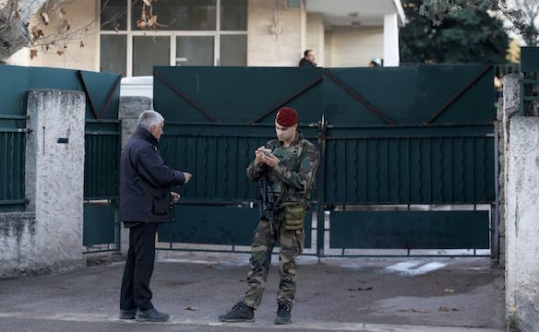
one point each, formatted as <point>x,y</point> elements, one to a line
<point>187,176</point>
<point>175,197</point>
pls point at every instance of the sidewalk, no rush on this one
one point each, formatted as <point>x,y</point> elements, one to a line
<point>346,294</point>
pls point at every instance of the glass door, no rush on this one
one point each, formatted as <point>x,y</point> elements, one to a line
<point>195,50</point>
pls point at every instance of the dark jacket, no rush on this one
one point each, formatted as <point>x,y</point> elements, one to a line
<point>306,63</point>
<point>145,181</point>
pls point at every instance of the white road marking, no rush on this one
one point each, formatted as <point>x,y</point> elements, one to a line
<point>255,326</point>
<point>414,268</point>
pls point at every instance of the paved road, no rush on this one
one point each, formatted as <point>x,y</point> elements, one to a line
<point>369,295</point>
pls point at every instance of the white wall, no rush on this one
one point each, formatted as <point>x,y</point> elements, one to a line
<point>266,49</point>
<point>316,37</point>
<point>391,41</point>
<point>355,47</point>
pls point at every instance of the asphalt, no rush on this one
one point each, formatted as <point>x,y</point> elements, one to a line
<point>334,294</point>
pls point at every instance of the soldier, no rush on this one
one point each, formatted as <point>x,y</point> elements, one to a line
<point>288,166</point>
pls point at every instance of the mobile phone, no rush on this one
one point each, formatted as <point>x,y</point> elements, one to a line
<point>266,151</point>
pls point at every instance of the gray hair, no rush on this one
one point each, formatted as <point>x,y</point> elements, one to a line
<point>150,118</point>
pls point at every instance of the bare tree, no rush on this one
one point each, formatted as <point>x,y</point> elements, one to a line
<point>14,33</point>
<point>524,15</point>
<point>44,25</point>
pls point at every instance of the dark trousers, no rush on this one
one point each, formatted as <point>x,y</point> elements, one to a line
<point>138,269</point>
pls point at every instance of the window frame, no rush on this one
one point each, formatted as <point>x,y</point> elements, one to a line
<point>172,34</point>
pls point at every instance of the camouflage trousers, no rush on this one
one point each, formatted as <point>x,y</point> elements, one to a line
<point>291,243</point>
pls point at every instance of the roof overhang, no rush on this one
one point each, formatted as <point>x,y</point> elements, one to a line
<point>356,12</point>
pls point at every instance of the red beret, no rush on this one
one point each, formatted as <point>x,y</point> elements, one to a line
<point>287,117</point>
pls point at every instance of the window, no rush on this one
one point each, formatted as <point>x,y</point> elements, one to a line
<point>190,33</point>
<point>114,15</point>
<point>149,51</point>
<point>192,15</point>
<point>113,54</point>
<point>233,15</point>
<point>232,50</point>
<point>194,50</point>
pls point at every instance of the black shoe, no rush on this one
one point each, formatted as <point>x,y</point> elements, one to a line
<point>283,314</point>
<point>128,314</point>
<point>240,313</point>
<point>151,315</point>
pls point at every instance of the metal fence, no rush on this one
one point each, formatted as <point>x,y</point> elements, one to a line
<point>388,137</point>
<point>529,91</point>
<point>102,144</point>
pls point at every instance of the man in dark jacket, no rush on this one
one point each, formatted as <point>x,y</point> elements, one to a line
<point>308,59</point>
<point>145,201</point>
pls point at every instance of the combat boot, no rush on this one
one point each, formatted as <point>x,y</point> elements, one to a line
<point>283,314</point>
<point>240,313</point>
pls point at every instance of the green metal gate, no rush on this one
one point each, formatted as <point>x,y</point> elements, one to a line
<point>410,155</point>
<point>101,230</point>
<point>103,133</point>
<point>215,119</point>
<point>393,141</point>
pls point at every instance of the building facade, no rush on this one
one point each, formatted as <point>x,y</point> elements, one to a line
<point>342,33</point>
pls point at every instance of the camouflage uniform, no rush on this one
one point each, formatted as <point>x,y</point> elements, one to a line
<point>291,181</point>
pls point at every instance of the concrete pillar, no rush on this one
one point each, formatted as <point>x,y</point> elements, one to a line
<point>522,228</point>
<point>391,41</point>
<point>54,176</point>
<point>510,107</point>
<point>130,109</point>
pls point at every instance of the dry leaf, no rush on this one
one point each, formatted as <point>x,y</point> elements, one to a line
<point>45,18</point>
<point>33,54</point>
<point>360,289</point>
<point>152,21</point>
<point>60,53</point>
<point>141,24</point>
<point>415,310</point>
<point>81,44</point>
<point>210,265</point>
<point>36,33</point>
<point>60,12</point>
<point>66,25</point>
<point>447,309</point>
<point>145,15</point>
<point>191,308</point>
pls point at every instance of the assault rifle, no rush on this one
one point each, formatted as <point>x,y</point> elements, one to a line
<point>267,198</point>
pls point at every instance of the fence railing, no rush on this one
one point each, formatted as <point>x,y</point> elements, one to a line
<point>529,105</point>
<point>12,162</point>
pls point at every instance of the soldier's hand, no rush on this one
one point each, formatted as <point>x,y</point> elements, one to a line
<point>187,177</point>
<point>271,160</point>
<point>259,156</point>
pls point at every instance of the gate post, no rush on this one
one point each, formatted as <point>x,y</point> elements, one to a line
<point>130,109</point>
<point>320,213</point>
<point>54,176</point>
